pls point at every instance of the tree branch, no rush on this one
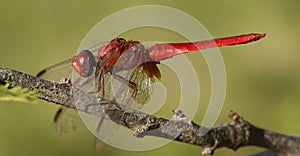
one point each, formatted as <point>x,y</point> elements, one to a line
<point>235,134</point>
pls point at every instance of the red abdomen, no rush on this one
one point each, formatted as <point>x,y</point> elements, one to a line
<point>163,51</point>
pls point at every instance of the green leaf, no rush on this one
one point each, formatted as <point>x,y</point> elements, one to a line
<point>16,94</point>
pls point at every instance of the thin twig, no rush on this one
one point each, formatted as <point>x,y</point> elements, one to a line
<point>235,134</point>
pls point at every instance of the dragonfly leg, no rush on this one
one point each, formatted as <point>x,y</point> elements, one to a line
<point>97,142</point>
<point>129,83</point>
<point>100,86</point>
<point>83,84</point>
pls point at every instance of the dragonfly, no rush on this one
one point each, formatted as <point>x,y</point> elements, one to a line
<point>128,63</point>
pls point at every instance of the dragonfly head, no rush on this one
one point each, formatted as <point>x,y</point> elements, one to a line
<point>84,63</point>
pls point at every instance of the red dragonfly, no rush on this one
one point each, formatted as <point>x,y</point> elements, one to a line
<point>120,55</point>
<point>105,61</point>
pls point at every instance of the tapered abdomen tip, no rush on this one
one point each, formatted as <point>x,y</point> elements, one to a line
<point>259,36</point>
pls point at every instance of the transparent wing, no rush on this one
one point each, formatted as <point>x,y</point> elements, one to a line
<point>120,92</point>
<point>66,120</point>
<point>144,85</point>
<point>64,69</point>
<point>57,71</point>
<point>104,131</point>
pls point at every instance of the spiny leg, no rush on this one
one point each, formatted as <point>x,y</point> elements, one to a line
<point>97,141</point>
<point>100,86</point>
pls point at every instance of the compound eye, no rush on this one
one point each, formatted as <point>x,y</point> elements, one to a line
<point>84,63</point>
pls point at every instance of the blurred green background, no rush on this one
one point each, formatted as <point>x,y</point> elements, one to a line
<point>263,82</point>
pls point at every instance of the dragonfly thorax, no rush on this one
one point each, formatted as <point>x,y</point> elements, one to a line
<point>120,54</point>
